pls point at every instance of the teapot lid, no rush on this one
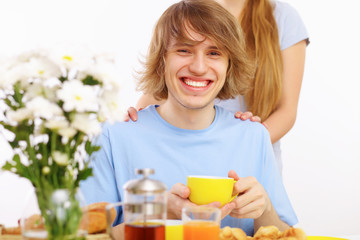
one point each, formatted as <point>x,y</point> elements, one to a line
<point>145,185</point>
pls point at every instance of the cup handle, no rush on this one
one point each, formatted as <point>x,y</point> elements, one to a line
<point>233,197</point>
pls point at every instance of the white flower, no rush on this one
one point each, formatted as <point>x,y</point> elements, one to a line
<point>60,158</point>
<point>71,57</point>
<point>67,132</point>
<point>9,76</point>
<point>56,124</point>
<point>26,67</point>
<point>112,107</point>
<point>41,107</point>
<point>42,67</point>
<point>84,123</point>
<point>19,115</point>
<point>38,89</point>
<point>77,96</point>
<point>104,70</point>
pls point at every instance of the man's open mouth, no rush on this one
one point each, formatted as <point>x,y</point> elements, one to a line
<point>196,84</point>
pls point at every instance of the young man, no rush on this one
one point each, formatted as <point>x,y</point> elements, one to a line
<point>196,54</point>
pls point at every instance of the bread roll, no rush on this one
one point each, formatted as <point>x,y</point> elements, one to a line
<point>97,217</point>
<point>11,231</point>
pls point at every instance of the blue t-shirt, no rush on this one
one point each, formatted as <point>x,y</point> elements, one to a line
<point>175,153</point>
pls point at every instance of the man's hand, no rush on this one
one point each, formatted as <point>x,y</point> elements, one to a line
<point>252,200</point>
<point>178,198</point>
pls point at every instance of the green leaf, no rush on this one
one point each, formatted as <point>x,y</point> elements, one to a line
<point>90,80</point>
<point>7,166</point>
<point>89,148</point>
<point>62,79</point>
<point>9,103</point>
<point>84,174</point>
<point>16,159</point>
<point>18,96</point>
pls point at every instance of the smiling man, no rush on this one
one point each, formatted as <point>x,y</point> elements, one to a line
<point>197,54</point>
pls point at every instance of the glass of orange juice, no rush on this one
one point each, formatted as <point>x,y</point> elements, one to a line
<point>201,223</point>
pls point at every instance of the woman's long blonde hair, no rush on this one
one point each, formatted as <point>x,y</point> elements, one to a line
<point>262,40</point>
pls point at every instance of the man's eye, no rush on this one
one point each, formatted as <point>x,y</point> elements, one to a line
<point>214,53</point>
<point>182,51</point>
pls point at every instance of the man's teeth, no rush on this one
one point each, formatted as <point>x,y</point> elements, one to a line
<point>195,83</point>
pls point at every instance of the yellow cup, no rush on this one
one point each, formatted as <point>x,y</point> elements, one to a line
<point>173,230</point>
<point>208,189</point>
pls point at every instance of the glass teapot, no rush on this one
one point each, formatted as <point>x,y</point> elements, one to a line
<point>144,207</point>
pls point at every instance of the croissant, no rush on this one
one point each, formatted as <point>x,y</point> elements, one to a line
<point>270,232</point>
<point>263,233</point>
<point>228,233</point>
<point>296,233</point>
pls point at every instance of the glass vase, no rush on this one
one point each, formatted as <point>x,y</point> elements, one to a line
<point>54,215</point>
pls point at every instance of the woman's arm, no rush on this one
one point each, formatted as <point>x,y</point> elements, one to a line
<point>283,118</point>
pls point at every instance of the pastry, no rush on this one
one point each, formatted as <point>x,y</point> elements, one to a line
<point>263,233</point>
<point>269,232</point>
<point>297,233</point>
<point>34,222</point>
<point>228,233</point>
<point>11,231</point>
<point>97,217</point>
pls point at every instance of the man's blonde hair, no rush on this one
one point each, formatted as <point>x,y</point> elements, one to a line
<point>210,20</point>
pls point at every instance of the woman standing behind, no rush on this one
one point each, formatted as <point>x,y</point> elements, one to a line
<point>276,40</point>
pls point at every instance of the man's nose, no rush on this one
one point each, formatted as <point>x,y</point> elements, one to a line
<point>198,65</point>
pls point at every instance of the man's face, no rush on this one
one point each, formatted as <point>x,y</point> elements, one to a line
<point>194,74</point>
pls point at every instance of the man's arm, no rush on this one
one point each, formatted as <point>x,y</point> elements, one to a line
<point>270,217</point>
<point>253,202</point>
<point>118,232</point>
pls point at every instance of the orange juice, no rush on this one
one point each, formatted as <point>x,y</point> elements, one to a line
<point>201,230</point>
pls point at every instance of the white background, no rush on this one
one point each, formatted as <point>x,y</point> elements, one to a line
<point>321,153</point>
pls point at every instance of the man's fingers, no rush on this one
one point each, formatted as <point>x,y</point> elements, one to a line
<point>226,209</point>
<point>213,204</point>
<point>233,174</point>
<point>252,210</point>
<point>181,190</point>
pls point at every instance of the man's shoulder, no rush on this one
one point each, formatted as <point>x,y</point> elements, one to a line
<point>145,117</point>
<point>227,118</point>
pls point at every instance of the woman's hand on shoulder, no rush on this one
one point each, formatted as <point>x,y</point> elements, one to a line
<point>132,114</point>
<point>247,115</point>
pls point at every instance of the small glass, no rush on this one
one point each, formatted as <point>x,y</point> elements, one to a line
<point>173,229</point>
<point>201,223</point>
